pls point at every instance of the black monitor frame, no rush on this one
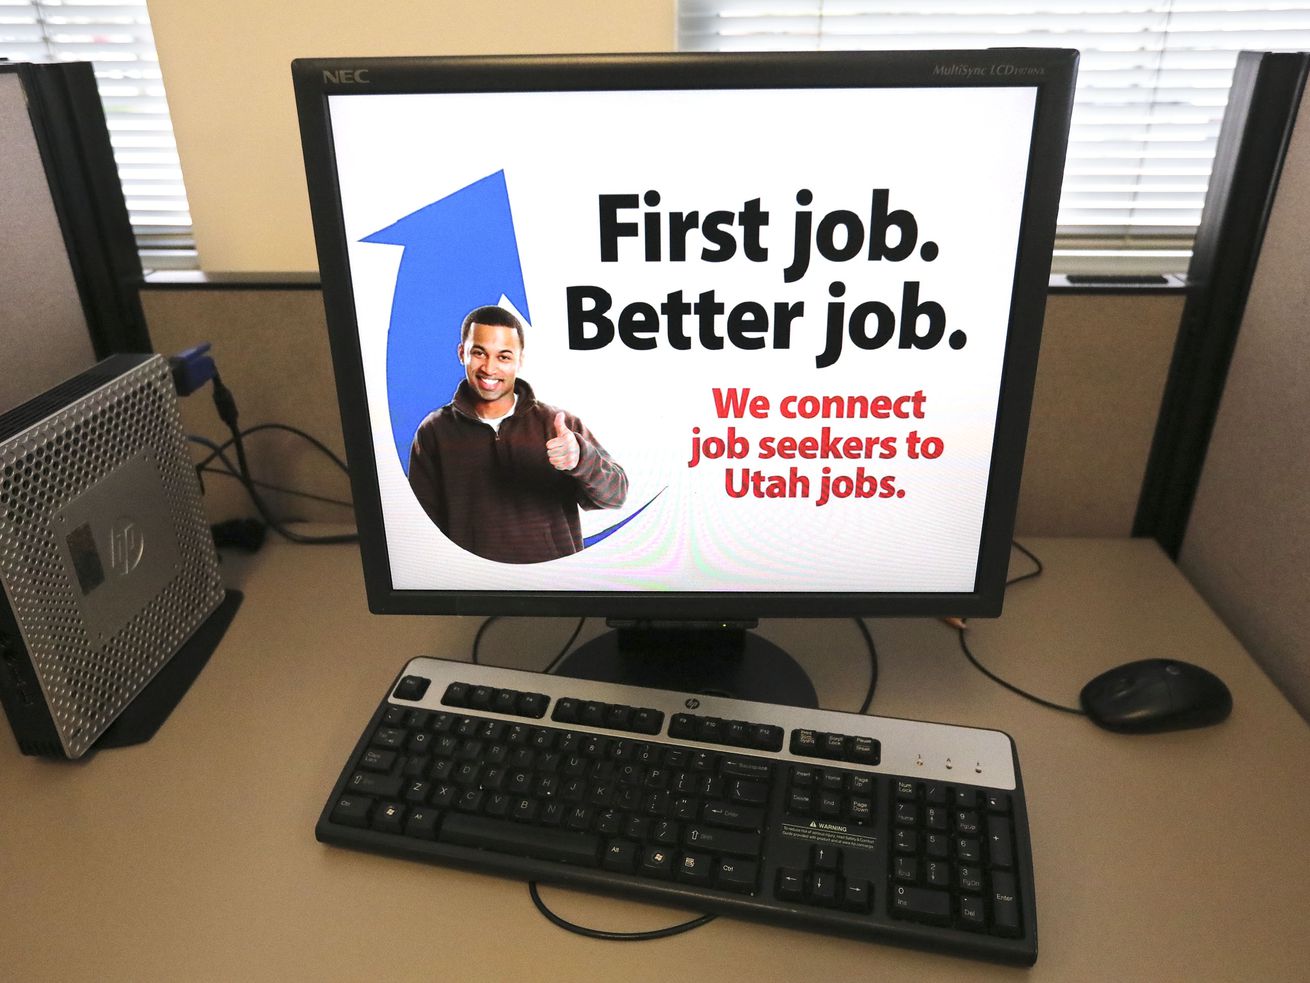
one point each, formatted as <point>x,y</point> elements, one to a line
<point>1050,71</point>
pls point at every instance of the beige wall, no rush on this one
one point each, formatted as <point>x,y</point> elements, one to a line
<point>1099,382</point>
<point>227,71</point>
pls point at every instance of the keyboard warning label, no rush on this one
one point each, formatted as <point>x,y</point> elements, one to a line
<point>836,833</point>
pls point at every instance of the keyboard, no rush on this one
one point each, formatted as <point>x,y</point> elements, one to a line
<point>892,830</point>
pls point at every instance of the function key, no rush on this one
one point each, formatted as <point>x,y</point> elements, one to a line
<point>766,738</point>
<point>412,688</point>
<point>480,697</point>
<point>647,721</point>
<point>504,701</point>
<point>710,730</point>
<point>618,716</point>
<point>683,725</point>
<point>456,695</point>
<point>567,710</point>
<point>593,714</point>
<point>737,733</point>
<point>532,705</point>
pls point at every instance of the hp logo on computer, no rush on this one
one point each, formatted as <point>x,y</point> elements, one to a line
<point>692,703</point>
<point>127,544</point>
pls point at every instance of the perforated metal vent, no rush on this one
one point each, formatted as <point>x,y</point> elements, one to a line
<point>94,644</point>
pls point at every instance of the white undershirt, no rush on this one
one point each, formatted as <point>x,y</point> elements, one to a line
<point>494,422</point>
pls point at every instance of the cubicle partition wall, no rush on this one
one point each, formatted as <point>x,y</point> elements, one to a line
<point>69,270</point>
<point>1247,543</point>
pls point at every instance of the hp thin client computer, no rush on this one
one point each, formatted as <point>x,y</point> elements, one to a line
<point>682,342</point>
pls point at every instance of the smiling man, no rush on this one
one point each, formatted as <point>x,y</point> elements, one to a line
<point>501,474</point>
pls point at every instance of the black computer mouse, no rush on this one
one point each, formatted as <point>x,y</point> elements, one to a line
<point>1156,695</point>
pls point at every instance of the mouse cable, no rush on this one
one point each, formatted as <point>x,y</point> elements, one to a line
<point>596,933</point>
<point>873,665</point>
<point>964,646</point>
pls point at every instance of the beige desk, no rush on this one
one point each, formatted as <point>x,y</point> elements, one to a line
<point>1174,857</point>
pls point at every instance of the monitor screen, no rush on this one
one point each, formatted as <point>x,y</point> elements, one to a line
<point>686,336</point>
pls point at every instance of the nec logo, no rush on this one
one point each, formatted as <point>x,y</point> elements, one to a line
<point>347,76</point>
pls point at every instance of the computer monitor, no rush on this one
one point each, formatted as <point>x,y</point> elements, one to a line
<point>686,339</point>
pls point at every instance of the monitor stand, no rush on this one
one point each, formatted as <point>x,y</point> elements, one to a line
<point>712,660</point>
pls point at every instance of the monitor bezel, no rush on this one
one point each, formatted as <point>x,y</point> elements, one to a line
<point>1050,71</point>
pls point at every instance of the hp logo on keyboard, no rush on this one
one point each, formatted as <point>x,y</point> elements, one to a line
<point>692,703</point>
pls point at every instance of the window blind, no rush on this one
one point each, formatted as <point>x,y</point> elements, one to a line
<point>116,39</point>
<point>1153,83</point>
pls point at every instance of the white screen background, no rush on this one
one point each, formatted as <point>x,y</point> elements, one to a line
<point>956,158</point>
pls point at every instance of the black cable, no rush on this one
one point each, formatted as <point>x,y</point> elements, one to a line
<point>577,629</point>
<point>873,665</point>
<point>225,404</point>
<point>964,646</point>
<point>591,933</point>
<point>595,933</point>
<point>336,458</point>
<point>482,628</point>
<point>281,489</point>
<point>230,470</point>
<point>477,639</point>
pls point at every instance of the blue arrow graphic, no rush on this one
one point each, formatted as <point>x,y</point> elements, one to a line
<point>460,253</point>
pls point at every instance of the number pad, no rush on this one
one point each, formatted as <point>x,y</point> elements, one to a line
<point>953,857</point>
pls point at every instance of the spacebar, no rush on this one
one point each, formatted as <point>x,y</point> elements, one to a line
<point>520,840</point>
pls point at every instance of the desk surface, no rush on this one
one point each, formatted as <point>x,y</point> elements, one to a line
<point>1171,857</point>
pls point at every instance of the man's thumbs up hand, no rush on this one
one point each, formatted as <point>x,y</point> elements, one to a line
<point>562,449</point>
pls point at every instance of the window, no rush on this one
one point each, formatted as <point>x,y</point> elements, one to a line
<point>116,39</point>
<point>1152,87</point>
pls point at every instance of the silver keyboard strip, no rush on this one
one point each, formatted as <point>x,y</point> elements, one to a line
<point>910,748</point>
